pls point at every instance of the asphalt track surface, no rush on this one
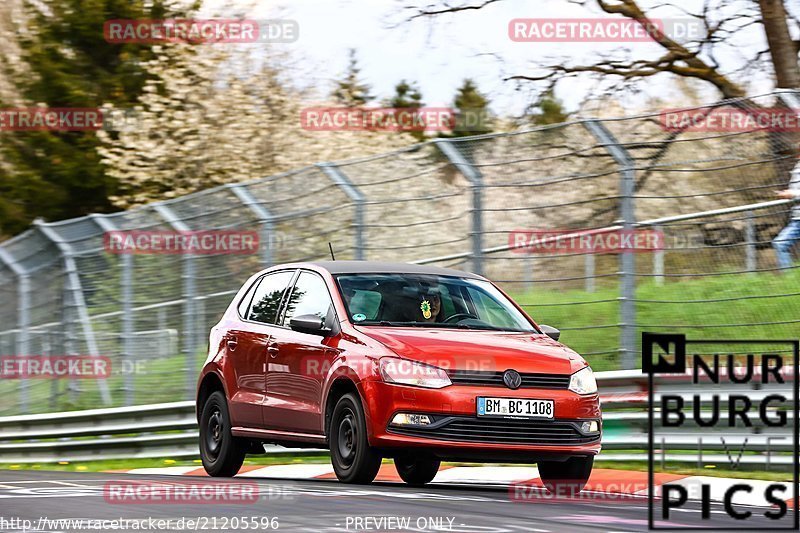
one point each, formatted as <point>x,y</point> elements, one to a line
<point>328,506</point>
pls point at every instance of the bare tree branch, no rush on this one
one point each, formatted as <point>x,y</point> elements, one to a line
<point>432,10</point>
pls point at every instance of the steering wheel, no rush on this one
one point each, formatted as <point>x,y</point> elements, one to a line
<point>457,317</point>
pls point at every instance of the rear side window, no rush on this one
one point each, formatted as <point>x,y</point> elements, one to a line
<point>267,298</point>
<point>244,305</point>
<point>309,297</point>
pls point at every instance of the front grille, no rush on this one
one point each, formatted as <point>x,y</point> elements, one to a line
<point>495,379</point>
<point>500,431</point>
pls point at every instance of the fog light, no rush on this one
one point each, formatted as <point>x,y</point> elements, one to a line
<point>590,427</point>
<point>407,419</point>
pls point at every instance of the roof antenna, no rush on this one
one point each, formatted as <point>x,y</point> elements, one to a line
<point>330,247</point>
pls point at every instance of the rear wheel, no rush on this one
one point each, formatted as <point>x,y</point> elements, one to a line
<point>566,477</point>
<point>222,453</point>
<point>354,461</point>
<point>417,470</point>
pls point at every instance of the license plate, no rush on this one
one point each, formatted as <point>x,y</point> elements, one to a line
<point>511,407</point>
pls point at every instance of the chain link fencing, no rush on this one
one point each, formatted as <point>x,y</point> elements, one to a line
<point>461,202</point>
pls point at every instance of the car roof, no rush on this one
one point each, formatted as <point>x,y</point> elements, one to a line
<point>379,267</point>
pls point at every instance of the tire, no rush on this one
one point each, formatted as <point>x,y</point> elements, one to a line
<point>222,453</point>
<point>568,477</point>
<point>354,461</point>
<point>417,471</point>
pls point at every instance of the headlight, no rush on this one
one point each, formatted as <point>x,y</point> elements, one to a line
<point>583,382</point>
<point>405,372</point>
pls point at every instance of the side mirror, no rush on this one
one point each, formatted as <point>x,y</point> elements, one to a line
<point>310,324</point>
<point>550,331</point>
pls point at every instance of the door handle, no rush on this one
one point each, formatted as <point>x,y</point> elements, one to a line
<point>272,349</point>
<point>232,343</point>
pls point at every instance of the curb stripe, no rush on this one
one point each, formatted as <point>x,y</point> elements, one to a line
<point>602,480</point>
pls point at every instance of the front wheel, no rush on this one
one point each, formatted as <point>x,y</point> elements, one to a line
<point>354,461</point>
<point>566,477</point>
<point>222,453</point>
<point>417,470</point>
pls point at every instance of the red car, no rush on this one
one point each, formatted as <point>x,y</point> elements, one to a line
<point>373,360</point>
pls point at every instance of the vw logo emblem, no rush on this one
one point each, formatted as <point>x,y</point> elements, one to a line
<point>512,379</point>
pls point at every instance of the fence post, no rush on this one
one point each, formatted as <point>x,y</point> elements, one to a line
<point>474,176</point>
<point>359,200</point>
<point>189,291</point>
<point>264,217</point>
<point>751,258</point>
<point>527,267</point>
<point>126,300</point>
<point>627,260</point>
<point>588,269</point>
<point>22,338</point>
<point>658,261</point>
<point>75,291</point>
<point>200,330</point>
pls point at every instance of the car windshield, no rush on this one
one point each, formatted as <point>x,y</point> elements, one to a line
<point>423,300</point>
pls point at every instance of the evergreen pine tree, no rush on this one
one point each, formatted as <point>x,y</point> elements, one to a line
<point>351,91</point>
<point>59,174</point>
<point>472,111</point>
<point>407,96</point>
<point>551,110</point>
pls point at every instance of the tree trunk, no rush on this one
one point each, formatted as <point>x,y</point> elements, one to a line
<point>781,47</point>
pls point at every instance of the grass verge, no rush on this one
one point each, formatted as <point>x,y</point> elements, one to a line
<point>641,466</point>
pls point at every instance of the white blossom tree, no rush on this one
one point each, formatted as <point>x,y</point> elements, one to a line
<point>215,115</point>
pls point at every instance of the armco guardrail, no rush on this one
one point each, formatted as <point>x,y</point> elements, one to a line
<point>170,429</point>
<point>160,430</point>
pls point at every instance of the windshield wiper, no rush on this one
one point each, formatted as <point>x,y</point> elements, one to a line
<point>412,324</point>
<point>389,323</point>
<point>415,324</point>
<point>489,328</point>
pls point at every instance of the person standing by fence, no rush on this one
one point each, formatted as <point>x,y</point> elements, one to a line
<point>790,235</point>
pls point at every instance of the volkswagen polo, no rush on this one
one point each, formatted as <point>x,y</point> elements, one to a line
<point>415,363</point>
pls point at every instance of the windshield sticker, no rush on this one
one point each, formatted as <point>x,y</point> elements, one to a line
<point>358,317</point>
<point>425,306</point>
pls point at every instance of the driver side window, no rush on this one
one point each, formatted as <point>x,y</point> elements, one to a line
<point>309,297</point>
<point>267,298</point>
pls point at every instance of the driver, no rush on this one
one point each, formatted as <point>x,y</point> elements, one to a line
<point>430,305</point>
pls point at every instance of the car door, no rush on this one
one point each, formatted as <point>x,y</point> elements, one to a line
<point>247,345</point>
<point>299,361</point>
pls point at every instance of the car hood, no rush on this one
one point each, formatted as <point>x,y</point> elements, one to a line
<point>476,350</point>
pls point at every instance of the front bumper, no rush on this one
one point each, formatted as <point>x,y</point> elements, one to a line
<point>457,433</point>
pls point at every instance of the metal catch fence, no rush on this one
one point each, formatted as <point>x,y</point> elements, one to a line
<point>460,202</point>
